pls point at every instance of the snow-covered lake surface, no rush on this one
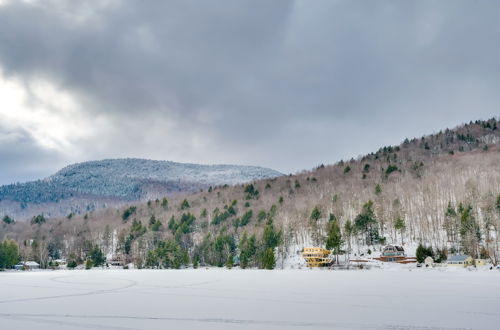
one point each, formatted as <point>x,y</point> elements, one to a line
<point>250,299</point>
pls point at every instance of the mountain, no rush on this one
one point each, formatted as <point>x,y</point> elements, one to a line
<point>102,183</point>
<point>441,190</point>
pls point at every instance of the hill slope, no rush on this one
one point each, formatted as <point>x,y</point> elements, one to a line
<point>444,188</point>
<point>116,180</point>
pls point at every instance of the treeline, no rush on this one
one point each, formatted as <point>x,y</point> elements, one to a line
<point>417,192</point>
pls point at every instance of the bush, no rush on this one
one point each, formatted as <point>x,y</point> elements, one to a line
<point>72,264</point>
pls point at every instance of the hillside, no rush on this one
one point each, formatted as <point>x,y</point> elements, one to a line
<point>92,185</point>
<point>444,188</point>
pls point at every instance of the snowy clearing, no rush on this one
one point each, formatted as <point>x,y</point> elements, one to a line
<point>251,299</point>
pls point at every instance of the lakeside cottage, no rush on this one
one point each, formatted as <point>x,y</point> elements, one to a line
<point>395,253</point>
<point>460,261</point>
<point>27,265</point>
<point>392,253</point>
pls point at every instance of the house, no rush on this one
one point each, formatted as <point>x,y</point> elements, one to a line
<point>317,257</point>
<point>27,265</point>
<point>460,261</point>
<point>429,262</point>
<point>480,262</point>
<point>119,260</point>
<point>392,253</point>
<point>395,253</point>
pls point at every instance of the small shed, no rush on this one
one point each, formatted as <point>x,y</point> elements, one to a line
<point>429,262</point>
<point>460,261</point>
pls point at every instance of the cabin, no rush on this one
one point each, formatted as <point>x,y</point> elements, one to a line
<point>392,253</point>
<point>460,261</point>
<point>119,260</point>
<point>27,265</point>
<point>395,253</point>
<point>317,257</point>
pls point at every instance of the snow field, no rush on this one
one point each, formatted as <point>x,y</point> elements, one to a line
<point>391,298</point>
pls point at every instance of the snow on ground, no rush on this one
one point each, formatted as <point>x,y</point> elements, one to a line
<point>387,298</point>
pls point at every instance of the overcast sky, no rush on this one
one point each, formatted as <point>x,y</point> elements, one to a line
<point>281,84</point>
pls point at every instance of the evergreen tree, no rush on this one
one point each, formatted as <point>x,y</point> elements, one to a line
<point>96,256</point>
<point>334,240</point>
<point>248,249</point>
<point>423,252</point>
<point>185,204</point>
<point>366,222</point>
<point>128,212</point>
<point>39,219</point>
<point>9,254</point>
<point>7,220</point>
<point>470,232</point>
<point>316,213</point>
<point>268,260</point>
<point>164,203</point>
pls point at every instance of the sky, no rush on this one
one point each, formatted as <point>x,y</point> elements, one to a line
<point>282,84</point>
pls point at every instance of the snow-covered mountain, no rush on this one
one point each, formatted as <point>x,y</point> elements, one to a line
<point>117,180</point>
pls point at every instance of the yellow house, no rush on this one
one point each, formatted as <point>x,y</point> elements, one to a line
<point>460,261</point>
<point>480,262</point>
<point>316,257</point>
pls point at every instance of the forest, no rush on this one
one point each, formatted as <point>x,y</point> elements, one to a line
<point>440,192</point>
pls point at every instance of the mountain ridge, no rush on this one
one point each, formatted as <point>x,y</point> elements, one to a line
<point>127,179</point>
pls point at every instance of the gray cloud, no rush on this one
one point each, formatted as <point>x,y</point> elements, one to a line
<point>22,158</point>
<point>276,83</point>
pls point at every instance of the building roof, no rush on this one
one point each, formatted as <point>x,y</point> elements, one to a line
<point>394,247</point>
<point>458,258</point>
<point>28,263</point>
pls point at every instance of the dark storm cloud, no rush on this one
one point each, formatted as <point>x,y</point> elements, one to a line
<point>22,158</point>
<point>278,83</point>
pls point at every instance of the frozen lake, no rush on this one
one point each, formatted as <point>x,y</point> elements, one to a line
<point>250,299</point>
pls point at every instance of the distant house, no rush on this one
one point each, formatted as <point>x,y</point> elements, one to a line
<point>317,257</point>
<point>27,265</point>
<point>460,261</point>
<point>392,253</point>
<point>395,253</point>
<point>119,260</point>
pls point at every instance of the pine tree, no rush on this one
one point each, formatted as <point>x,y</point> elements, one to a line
<point>334,240</point>
<point>268,260</point>
<point>9,254</point>
<point>316,213</point>
<point>366,222</point>
<point>184,204</point>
